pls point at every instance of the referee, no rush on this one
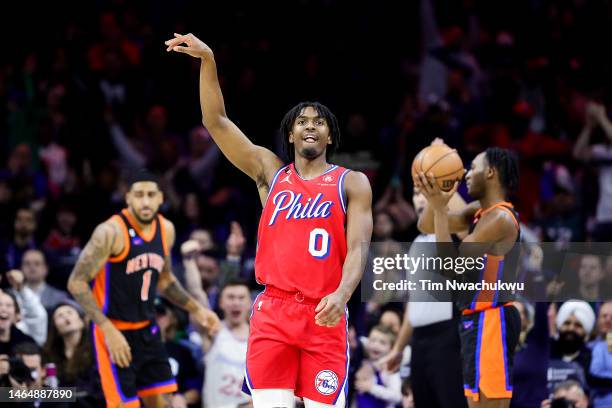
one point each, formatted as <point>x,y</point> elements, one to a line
<point>432,328</point>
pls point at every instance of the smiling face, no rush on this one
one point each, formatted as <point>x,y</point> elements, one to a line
<point>67,320</point>
<point>310,134</point>
<point>8,312</point>
<point>144,200</point>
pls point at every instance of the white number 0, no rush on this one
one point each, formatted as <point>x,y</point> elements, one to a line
<point>322,244</point>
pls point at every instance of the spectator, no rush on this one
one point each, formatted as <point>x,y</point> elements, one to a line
<point>33,320</point>
<point>601,366</point>
<point>225,354</point>
<point>204,238</point>
<point>69,347</point>
<point>377,388</point>
<point>568,394</point>
<point>35,271</point>
<point>391,319</point>
<point>569,355</point>
<point>590,277</point>
<point>10,335</point>
<point>23,238</point>
<point>604,320</point>
<point>531,358</point>
<point>31,355</point>
<point>62,245</point>
<point>28,185</point>
<point>601,156</point>
<point>407,399</point>
<point>198,171</point>
<point>179,355</point>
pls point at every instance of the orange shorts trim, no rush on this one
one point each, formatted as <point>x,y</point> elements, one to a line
<point>492,370</point>
<point>123,325</point>
<point>110,386</point>
<point>159,389</point>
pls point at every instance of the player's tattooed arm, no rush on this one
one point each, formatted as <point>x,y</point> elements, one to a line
<point>91,259</point>
<point>167,285</point>
<point>172,290</point>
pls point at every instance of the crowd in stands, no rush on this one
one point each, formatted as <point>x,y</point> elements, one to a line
<point>97,96</point>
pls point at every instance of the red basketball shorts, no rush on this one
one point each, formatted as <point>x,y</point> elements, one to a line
<point>288,350</point>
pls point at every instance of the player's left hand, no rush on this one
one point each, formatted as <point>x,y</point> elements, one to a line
<point>330,310</point>
<point>435,196</point>
<point>207,319</point>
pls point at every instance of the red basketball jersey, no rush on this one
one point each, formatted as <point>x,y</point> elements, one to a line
<point>302,237</point>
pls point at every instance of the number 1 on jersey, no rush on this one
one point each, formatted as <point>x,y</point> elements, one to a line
<point>318,243</point>
<point>146,283</point>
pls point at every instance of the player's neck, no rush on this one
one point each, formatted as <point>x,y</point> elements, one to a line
<point>309,169</point>
<point>491,198</point>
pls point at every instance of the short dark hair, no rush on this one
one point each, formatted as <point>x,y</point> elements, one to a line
<point>142,174</point>
<point>27,348</point>
<point>289,119</point>
<point>506,164</point>
<point>234,282</point>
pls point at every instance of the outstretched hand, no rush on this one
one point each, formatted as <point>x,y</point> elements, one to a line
<point>192,46</point>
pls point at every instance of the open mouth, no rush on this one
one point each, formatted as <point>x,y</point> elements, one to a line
<point>310,138</point>
<point>4,318</point>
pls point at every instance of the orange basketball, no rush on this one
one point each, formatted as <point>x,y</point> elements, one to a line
<point>441,160</point>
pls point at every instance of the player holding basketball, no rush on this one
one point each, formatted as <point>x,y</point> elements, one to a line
<point>489,330</point>
<point>315,218</point>
<point>128,258</point>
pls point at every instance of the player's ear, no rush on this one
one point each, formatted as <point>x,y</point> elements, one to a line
<point>291,140</point>
<point>329,140</point>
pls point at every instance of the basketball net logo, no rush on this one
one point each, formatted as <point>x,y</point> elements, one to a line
<point>326,382</point>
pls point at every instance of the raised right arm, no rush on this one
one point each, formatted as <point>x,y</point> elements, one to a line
<point>257,162</point>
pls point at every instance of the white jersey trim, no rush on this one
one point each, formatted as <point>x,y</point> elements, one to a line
<point>341,189</point>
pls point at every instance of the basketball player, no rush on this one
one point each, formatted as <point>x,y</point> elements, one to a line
<point>128,258</point>
<point>316,216</point>
<point>489,330</point>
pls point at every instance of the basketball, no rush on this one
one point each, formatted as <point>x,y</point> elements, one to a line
<point>441,160</point>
